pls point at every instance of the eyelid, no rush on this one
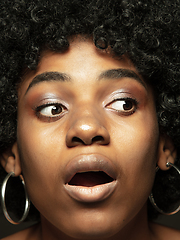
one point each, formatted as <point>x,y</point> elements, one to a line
<point>119,94</point>
<point>49,99</point>
<point>125,112</point>
<point>40,107</point>
<point>123,99</point>
<point>47,118</point>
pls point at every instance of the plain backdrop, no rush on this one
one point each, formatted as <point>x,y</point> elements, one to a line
<point>7,228</point>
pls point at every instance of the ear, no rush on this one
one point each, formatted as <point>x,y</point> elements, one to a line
<point>166,152</point>
<point>10,160</point>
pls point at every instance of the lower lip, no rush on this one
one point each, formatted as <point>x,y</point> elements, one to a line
<point>91,194</point>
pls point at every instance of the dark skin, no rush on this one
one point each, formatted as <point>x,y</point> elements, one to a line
<point>84,111</point>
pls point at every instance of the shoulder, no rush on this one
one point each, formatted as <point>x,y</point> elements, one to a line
<point>164,233</point>
<point>29,233</point>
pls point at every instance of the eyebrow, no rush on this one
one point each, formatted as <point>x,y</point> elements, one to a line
<point>48,77</point>
<point>106,75</point>
<point>121,73</point>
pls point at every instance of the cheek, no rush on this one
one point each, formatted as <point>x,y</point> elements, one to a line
<point>41,168</point>
<point>138,134</point>
<point>136,146</point>
<point>39,143</point>
<point>136,149</point>
<point>40,155</point>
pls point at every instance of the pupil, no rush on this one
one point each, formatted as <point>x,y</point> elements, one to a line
<point>128,105</point>
<point>56,110</point>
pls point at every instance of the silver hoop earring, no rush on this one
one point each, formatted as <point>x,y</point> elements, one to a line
<point>27,204</point>
<point>151,198</point>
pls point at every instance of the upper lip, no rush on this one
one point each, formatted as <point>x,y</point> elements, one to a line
<point>87,163</point>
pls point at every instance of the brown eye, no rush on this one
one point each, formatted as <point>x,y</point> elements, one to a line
<point>127,105</point>
<point>123,105</point>
<point>52,110</point>
<point>56,110</point>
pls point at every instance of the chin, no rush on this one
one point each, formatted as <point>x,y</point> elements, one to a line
<point>92,232</point>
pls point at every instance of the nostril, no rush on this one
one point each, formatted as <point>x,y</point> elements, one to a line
<point>97,139</point>
<point>77,140</point>
<point>97,134</point>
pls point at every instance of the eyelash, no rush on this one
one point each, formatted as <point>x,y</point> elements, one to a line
<point>49,118</point>
<point>133,101</point>
<point>52,118</point>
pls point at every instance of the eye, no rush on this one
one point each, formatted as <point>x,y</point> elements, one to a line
<point>51,110</point>
<point>126,106</point>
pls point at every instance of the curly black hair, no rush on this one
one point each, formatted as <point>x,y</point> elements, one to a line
<point>147,31</point>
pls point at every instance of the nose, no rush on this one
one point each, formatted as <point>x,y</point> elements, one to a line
<point>87,129</point>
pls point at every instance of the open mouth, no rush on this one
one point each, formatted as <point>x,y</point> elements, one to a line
<point>90,179</point>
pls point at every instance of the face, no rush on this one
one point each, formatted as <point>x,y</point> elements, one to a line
<point>88,139</point>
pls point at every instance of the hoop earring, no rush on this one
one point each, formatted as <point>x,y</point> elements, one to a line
<point>151,198</point>
<point>27,204</point>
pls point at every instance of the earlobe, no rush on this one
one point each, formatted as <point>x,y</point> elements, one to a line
<point>10,160</point>
<point>166,152</point>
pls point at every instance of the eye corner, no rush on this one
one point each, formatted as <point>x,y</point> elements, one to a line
<point>50,112</point>
<point>124,106</point>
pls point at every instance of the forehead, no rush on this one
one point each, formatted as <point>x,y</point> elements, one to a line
<point>82,61</point>
<point>85,53</point>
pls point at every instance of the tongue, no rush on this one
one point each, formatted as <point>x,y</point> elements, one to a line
<point>90,179</point>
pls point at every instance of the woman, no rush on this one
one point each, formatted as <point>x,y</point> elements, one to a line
<point>89,112</point>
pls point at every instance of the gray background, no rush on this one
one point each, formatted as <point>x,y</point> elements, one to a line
<point>7,228</point>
